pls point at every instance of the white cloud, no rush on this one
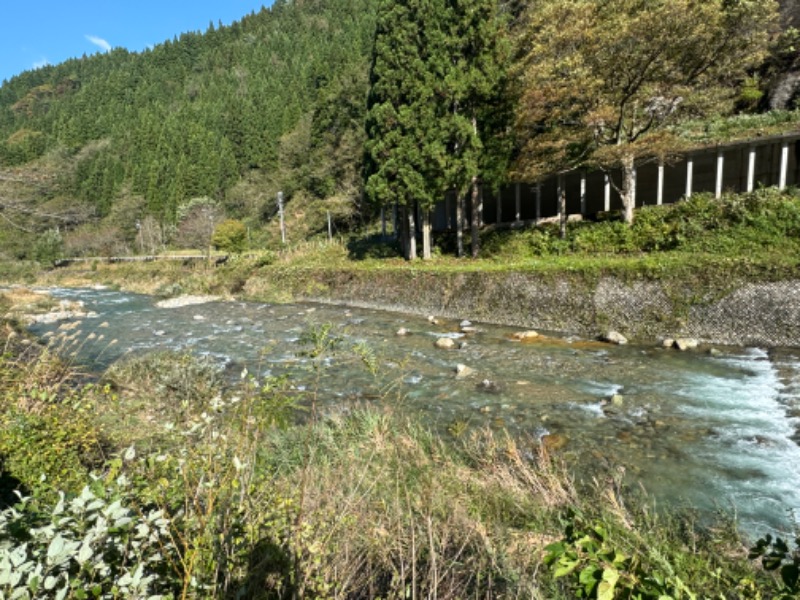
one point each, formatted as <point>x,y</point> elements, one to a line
<point>100,42</point>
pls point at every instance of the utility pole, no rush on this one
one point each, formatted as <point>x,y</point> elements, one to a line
<point>280,213</point>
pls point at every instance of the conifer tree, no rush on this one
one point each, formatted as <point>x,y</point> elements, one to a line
<point>405,148</point>
<point>478,109</point>
<point>437,88</point>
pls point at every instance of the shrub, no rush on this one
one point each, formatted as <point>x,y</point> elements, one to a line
<point>49,440</point>
<point>230,236</point>
<point>92,546</point>
<point>165,386</point>
<point>49,247</point>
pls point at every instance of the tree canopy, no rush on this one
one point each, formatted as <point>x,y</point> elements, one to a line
<point>601,81</point>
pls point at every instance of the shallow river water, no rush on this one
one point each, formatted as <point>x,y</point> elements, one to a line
<point>710,430</point>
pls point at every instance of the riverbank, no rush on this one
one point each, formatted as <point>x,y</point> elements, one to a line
<point>711,301</point>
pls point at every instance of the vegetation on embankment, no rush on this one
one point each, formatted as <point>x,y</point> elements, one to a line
<point>755,235</point>
<point>154,483</point>
<point>674,258</point>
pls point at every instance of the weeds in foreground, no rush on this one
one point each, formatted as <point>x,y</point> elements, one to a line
<point>231,501</point>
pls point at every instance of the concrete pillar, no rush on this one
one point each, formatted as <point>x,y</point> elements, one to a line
<point>479,208</point>
<point>517,203</point>
<point>784,166</point>
<point>751,169</point>
<point>660,190</point>
<point>538,200</point>
<point>720,169</point>
<point>583,192</point>
<point>689,175</point>
<point>562,205</point>
<point>607,192</point>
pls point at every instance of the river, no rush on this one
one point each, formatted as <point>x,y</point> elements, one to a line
<point>707,429</point>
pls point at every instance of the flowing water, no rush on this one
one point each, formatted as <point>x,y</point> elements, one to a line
<point>710,430</point>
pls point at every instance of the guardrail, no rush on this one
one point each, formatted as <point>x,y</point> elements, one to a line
<point>186,259</point>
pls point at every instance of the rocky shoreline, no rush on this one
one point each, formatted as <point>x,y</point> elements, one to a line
<point>762,314</point>
<point>674,312</point>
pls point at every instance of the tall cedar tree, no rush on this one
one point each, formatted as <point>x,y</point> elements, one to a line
<point>478,107</point>
<point>601,82</point>
<point>405,149</point>
<point>437,89</point>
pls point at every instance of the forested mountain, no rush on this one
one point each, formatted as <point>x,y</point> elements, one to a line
<point>193,116</point>
<point>105,152</point>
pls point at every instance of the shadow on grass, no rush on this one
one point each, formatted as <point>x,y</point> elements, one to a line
<point>374,246</point>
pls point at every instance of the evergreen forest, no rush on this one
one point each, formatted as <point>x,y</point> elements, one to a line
<point>113,153</point>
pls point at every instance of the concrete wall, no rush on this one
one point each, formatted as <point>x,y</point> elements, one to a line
<point>765,314</point>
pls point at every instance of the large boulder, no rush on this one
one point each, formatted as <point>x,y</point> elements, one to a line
<point>525,336</point>
<point>445,343</point>
<point>614,337</point>
<point>684,344</point>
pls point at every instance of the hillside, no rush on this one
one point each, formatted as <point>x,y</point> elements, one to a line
<point>102,151</point>
<point>266,103</point>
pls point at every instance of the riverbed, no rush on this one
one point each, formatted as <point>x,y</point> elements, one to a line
<point>710,429</point>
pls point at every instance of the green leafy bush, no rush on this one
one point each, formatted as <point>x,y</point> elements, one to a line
<point>49,247</point>
<point>230,236</point>
<point>95,545</point>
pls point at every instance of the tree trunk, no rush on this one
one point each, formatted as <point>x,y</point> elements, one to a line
<point>477,217</point>
<point>628,199</point>
<point>426,234</point>
<point>460,225</point>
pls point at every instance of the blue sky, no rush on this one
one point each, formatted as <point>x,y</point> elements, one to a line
<point>52,31</point>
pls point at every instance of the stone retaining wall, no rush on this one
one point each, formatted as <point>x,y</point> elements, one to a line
<point>749,314</point>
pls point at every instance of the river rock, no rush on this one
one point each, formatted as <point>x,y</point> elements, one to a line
<point>465,323</point>
<point>714,352</point>
<point>64,310</point>
<point>433,320</point>
<point>614,337</point>
<point>684,344</point>
<point>186,301</point>
<point>402,331</point>
<point>445,343</point>
<point>524,336</point>
<point>668,342</point>
<point>617,400</point>
<point>463,370</point>
<point>468,329</point>
<point>487,385</point>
